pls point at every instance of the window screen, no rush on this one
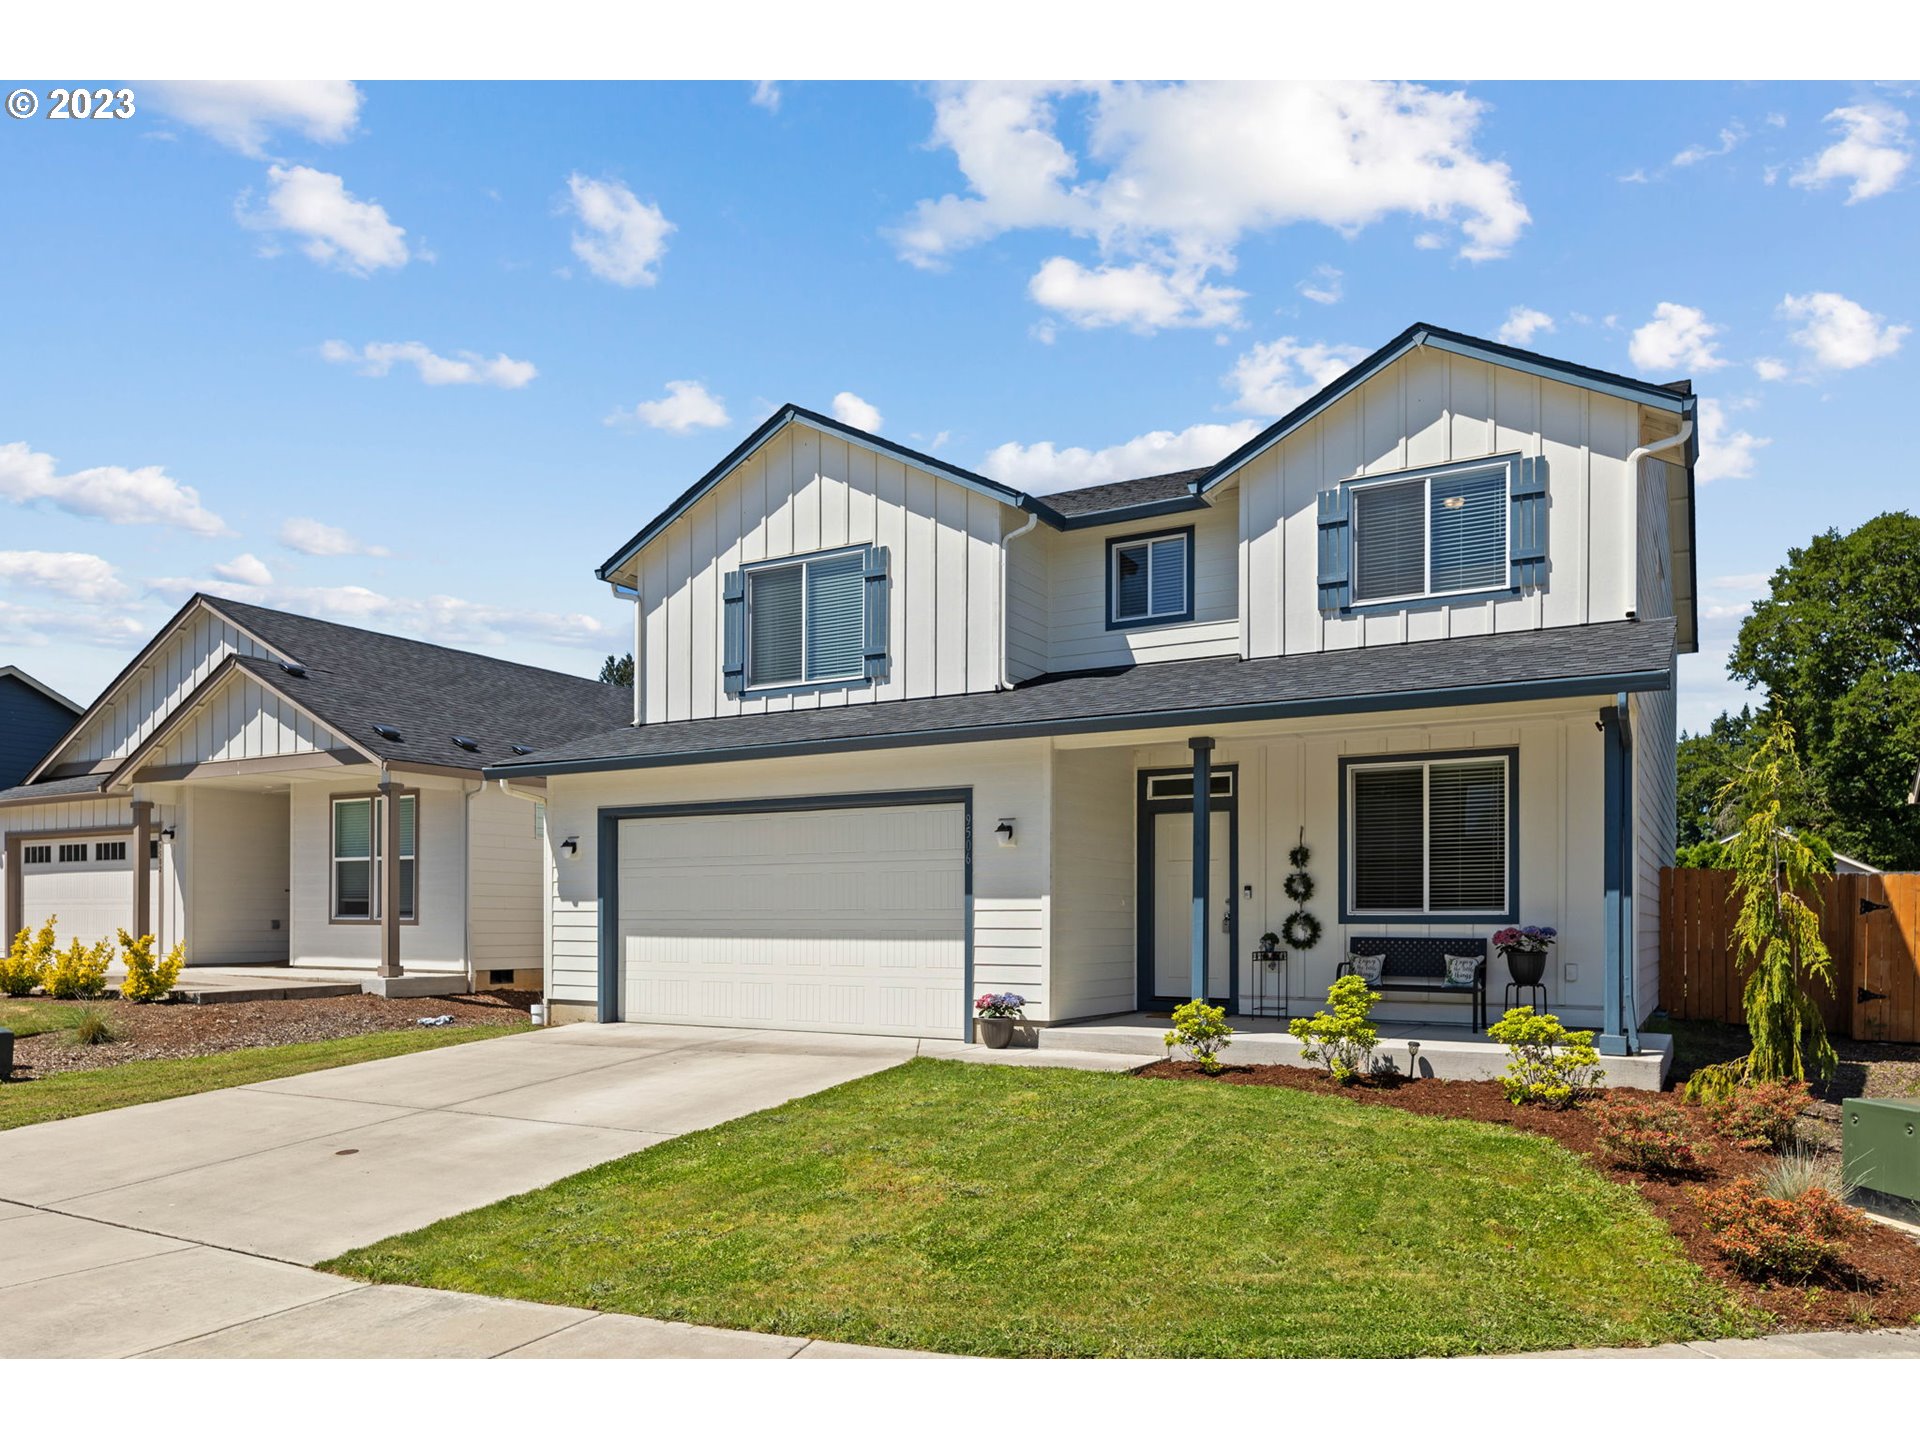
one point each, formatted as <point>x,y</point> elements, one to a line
<point>1390,557</point>
<point>1430,837</point>
<point>807,622</point>
<point>1469,530</point>
<point>1149,579</point>
<point>1438,535</point>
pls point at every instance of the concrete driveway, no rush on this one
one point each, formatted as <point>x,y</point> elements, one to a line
<point>182,1226</point>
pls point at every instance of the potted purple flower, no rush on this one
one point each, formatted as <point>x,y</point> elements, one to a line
<point>1526,947</point>
<point>995,1015</point>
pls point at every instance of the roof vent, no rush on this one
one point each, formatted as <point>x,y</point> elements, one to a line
<point>386,732</point>
<point>293,667</point>
<point>467,742</point>
<point>521,749</point>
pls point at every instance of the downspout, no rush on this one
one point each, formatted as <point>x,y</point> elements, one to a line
<point>626,592</point>
<point>1006,554</point>
<point>466,877</point>
<point>1634,457</point>
<point>1629,949</point>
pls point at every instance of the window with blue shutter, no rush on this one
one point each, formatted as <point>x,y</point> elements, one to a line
<point>1455,530</point>
<point>817,619</point>
<point>1150,579</point>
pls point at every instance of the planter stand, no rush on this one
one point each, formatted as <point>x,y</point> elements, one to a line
<point>1528,968</point>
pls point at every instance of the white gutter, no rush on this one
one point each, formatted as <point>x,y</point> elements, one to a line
<point>1006,549</point>
<point>532,797</point>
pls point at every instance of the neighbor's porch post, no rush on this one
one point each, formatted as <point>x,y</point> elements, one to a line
<point>142,880</point>
<point>390,878</point>
<point>1202,748</point>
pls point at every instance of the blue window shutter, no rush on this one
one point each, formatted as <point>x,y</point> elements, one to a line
<point>877,613</point>
<point>1529,551</point>
<point>733,667</point>
<point>1335,589</point>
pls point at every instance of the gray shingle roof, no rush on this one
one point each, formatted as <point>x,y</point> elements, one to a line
<point>356,679</point>
<point>53,789</point>
<point>1576,660</point>
<point>1122,494</point>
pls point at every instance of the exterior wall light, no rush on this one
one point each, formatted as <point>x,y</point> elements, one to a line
<point>1003,832</point>
<point>572,846</point>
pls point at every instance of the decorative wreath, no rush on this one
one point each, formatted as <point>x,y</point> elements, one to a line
<point>1299,887</point>
<point>1300,930</point>
<point>1298,857</point>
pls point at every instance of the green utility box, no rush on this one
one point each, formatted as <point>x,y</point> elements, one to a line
<point>1880,1145</point>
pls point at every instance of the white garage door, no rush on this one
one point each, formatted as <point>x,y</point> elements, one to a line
<point>847,920</point>
<point>87,883</point>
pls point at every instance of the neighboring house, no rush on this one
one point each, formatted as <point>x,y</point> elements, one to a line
<point>902,734</point>
<point>32,717</point>
<point>1842,864</point>
<point>248,757</point>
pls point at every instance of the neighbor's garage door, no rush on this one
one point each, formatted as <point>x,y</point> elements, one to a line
<point>87,883</point>
<point>848,920</point>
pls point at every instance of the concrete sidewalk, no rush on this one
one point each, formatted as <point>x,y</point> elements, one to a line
<point>1813,1345</point>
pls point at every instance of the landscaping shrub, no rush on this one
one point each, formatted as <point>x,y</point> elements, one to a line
<point>92,1029</point>
<point>1652,1138</point>
<point>1549,1064</point>
<point>148,978</point>
<point>1202,1031</point>
<point>28,959</point>
<point>79,972</point>
<point>1764,1237</point>
<point>1760,1116</point>
<point>1791,1174</point>
<point>1343,1041</point>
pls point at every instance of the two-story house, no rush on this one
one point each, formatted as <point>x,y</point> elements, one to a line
<point>902,734</point>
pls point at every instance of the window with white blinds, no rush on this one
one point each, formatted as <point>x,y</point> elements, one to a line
<point>1430,837</point>
<point>358,837</point>
<point>1443,534</point>
<point>806,622</point>
<point>1149,578</point>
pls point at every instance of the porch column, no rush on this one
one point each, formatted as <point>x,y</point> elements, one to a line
<point>142,877</point>
<point>1202,747</point>
<point>1618,1019</point>
<point>389,878</point>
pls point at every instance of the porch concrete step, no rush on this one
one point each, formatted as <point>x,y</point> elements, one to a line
<point>267,990</point>
<point>411,987</point>
<point>1443,1056</point>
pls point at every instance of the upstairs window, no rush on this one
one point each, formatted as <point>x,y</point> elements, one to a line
<point>1441,534</point>
<point>810,621</point>
<point>359,835</point>
<point>1150,579</point>
<point>1429,838</point>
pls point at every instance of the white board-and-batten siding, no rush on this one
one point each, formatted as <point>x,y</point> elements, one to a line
<point>802,492</point>
<point>243,720</point>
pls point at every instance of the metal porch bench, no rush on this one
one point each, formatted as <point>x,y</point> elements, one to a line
<point>1418,963</point>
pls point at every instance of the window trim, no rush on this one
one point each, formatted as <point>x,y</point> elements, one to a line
<point>1146,537</point>
<point>1509,463</point>
<point>799,687</point>
<point>378,861</point>
<point>1390,760</point>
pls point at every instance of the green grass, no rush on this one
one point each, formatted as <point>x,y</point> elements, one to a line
<point>29,1017</point>
<point>1000,1211</point>
<point>81,1092</point>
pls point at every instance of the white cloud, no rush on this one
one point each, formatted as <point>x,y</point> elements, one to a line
<point>850,409</point>
<point>1042,469</point>
<point>624,236</point>
<point>1272,378</point>
<point>1838,333</point>
<point>241,114</point>
<point>766,94</point>
<point>1174,176</point>
<point>313,537</point>
<point>75,574</point>
<point>1725,453</point>
<point>146,496</point>
<point>247,569</point>
<point>1522,324</point>
<point>338,229</point>
<point>44,625</point>
<point>1730,136</point>
<point>443,619</point>
<point>1324,287</point>
<point>686,406</point>
<point>1872,153</point>
<point>1677,338</point>
<point>464,368</point>
<point>1634,177</point>
<point>1768,368</point>
<point>1140,296</point>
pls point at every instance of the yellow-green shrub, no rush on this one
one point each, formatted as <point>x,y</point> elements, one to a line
<point>28,959</point>
<point>80,971</point>
<point>148,978</point>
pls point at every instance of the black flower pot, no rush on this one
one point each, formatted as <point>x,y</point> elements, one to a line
<point>1526,966</point>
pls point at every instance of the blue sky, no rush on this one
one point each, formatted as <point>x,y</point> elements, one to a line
<point>243,291</point>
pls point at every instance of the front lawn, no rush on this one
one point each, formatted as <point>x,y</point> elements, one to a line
<point>1003,1211</point>
<point>33,1017</point>
<point>81,1092</point>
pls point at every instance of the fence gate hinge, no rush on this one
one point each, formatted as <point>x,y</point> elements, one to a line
<point>1867,907</point>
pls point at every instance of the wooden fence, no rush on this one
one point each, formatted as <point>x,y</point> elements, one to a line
<point>1871,924</point>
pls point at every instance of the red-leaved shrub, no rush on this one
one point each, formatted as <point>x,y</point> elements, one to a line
<point>1767,1238</point>
<point>1642,1135</point>
<point>1759,1117</point>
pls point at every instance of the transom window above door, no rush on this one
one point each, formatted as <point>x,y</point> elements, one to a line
<point>814,620</point>
<point>1150,579</point>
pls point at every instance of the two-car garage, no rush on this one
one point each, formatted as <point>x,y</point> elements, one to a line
<point>846,914</point>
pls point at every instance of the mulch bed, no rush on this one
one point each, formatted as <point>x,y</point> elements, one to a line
<point>1883,1288</point>
<point>175,1029</point>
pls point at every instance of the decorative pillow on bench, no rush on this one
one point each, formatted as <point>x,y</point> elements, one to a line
<point>1367,967</point>
<point>1460,971</point>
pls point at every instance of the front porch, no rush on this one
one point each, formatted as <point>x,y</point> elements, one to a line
<point>236,984</point>
<point>1423,1049</point>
